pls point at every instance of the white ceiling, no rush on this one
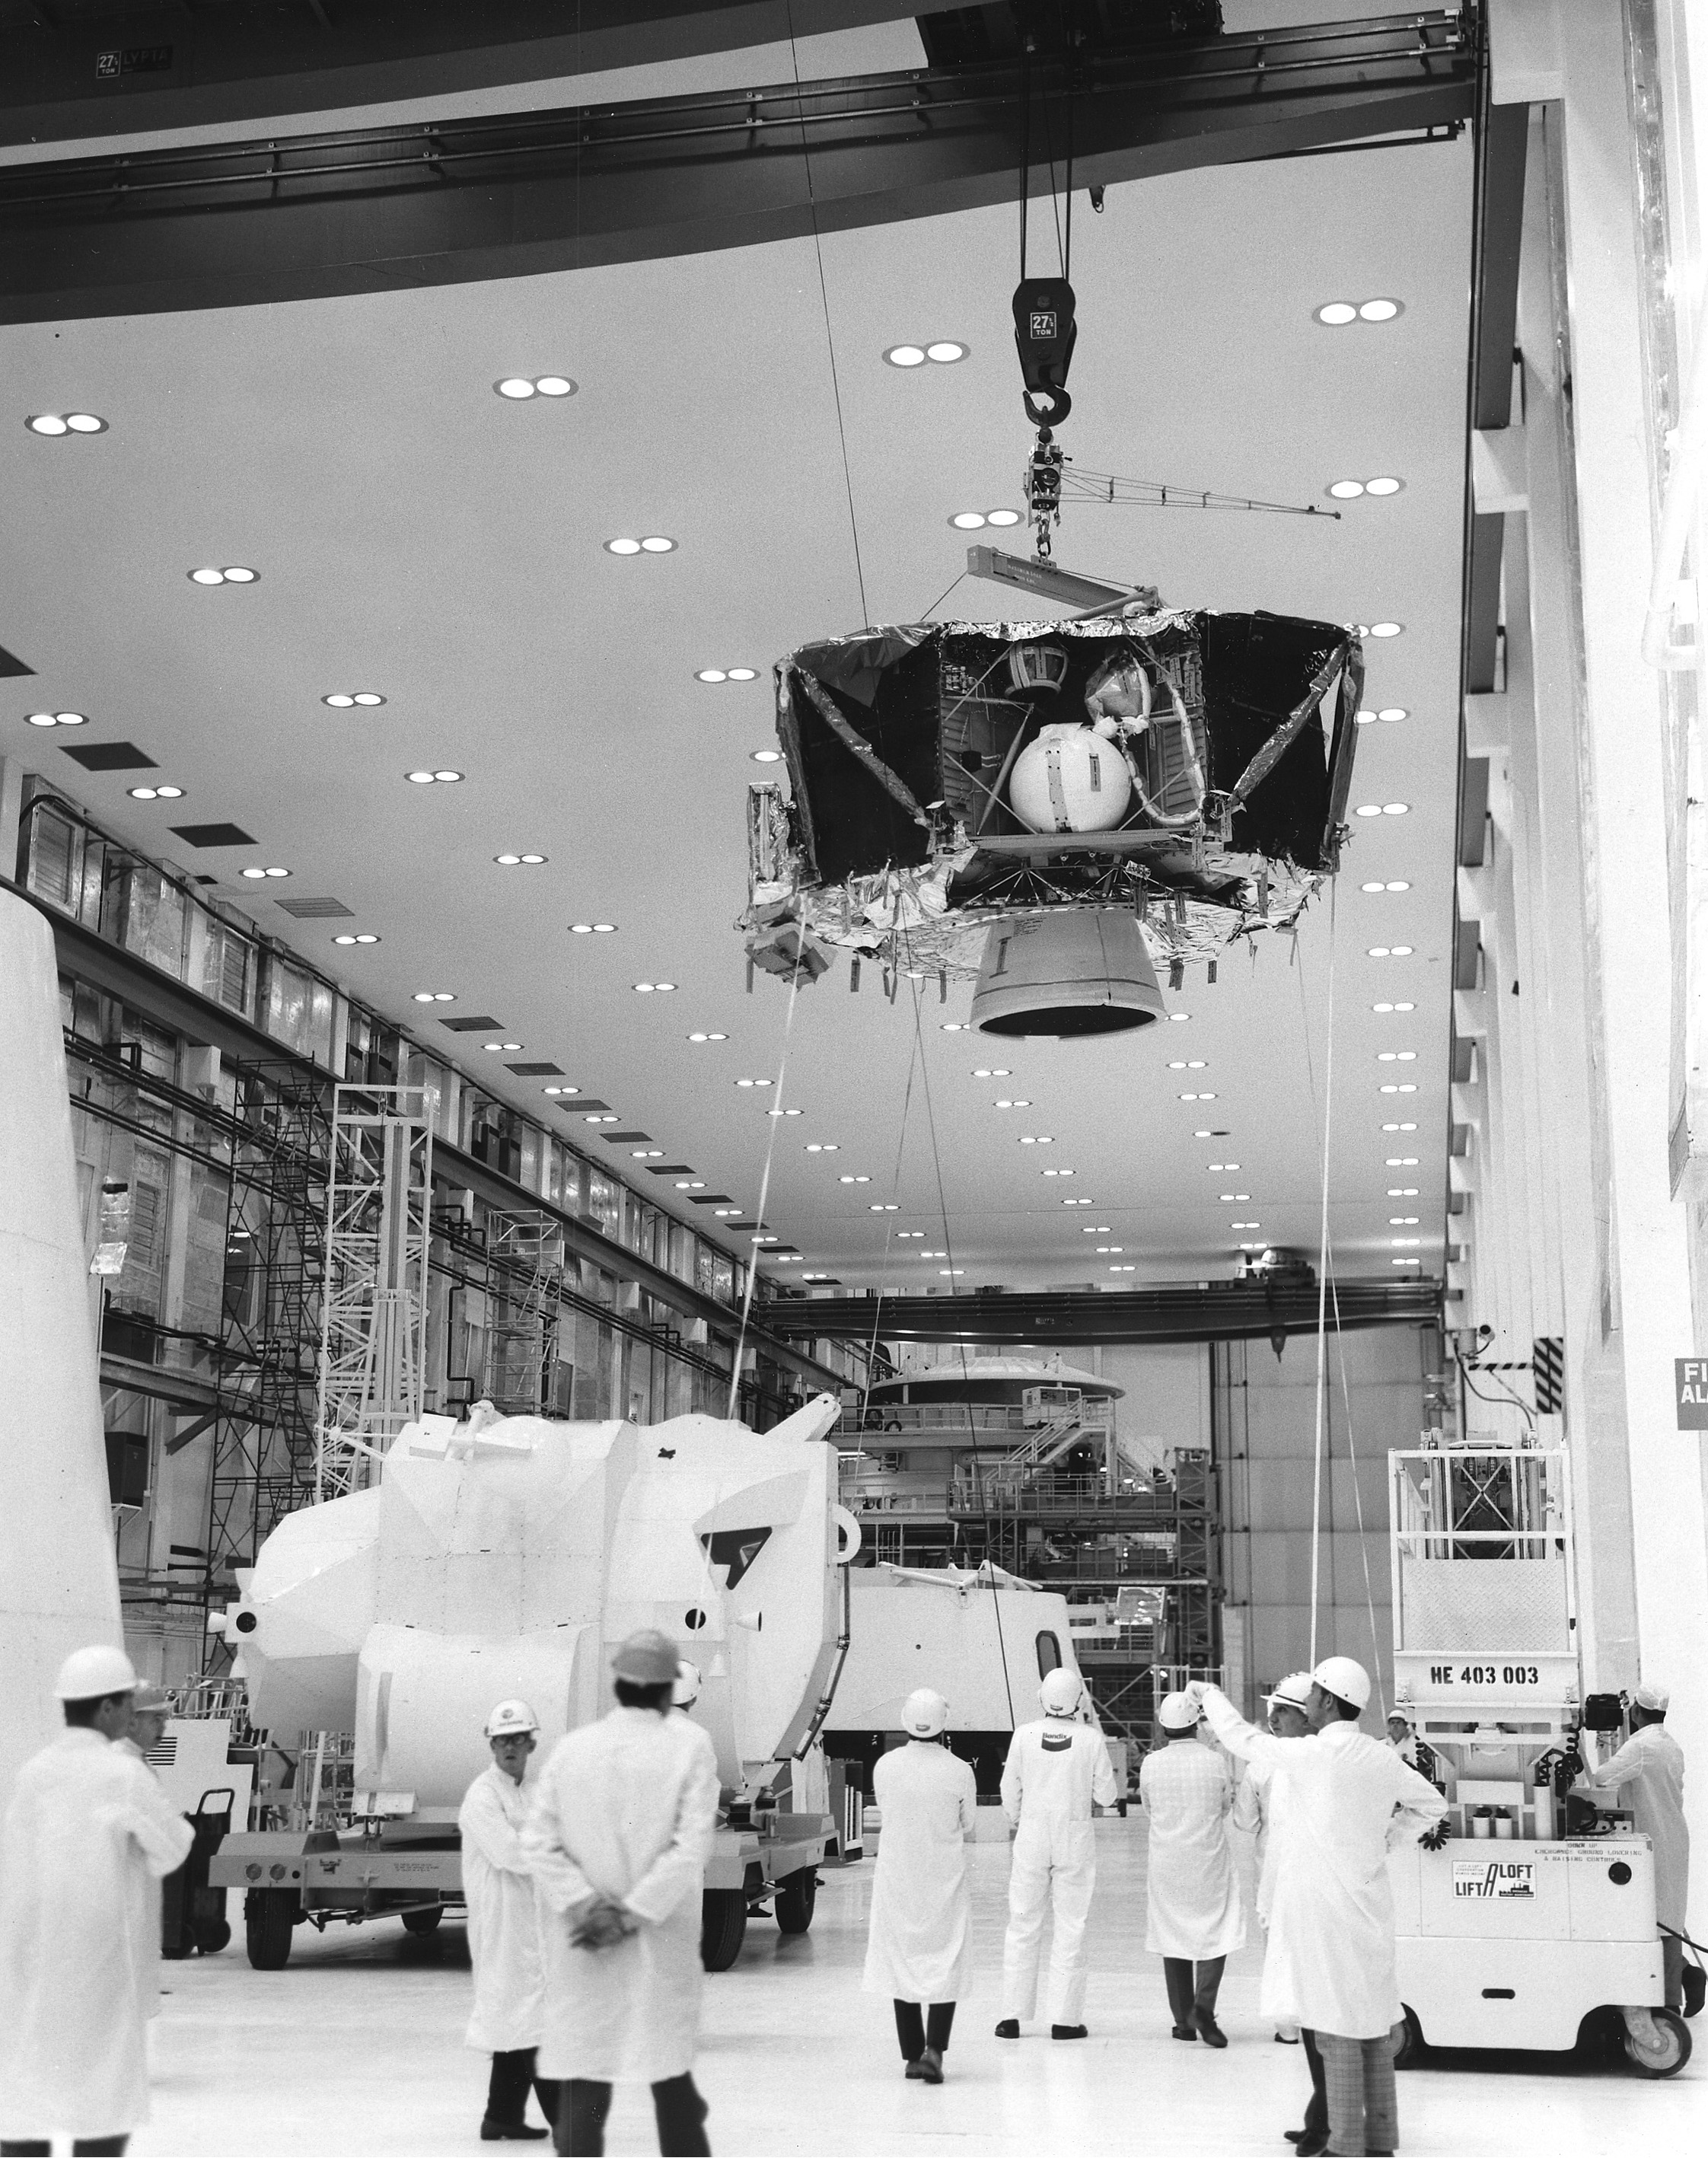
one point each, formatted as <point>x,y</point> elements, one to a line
<point>417,534</point>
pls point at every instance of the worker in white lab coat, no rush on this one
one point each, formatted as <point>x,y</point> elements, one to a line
<point>87,1838</point>
<point>919,1946</point>
<point>504,1929</point>
<point>1261,1797</point>
<point>1330,1965</point>
<point>1057,1769</point>
<point>1650,1767</point>
<point>150,1707</point>
<point>617,1838</point>
<point>1194,1917</point>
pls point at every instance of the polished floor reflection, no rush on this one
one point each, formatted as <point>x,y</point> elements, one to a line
<point>356,2048</point>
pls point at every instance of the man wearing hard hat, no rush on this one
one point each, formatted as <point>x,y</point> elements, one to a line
<point>919,1948</point>
<point>1194,1917</point>
<point>1057,1769</point>
<point>87,1839</point>
<point>1650,1766</point>
<point>1331,1963</point>
<point>1261,1799</point>
<point>503,1930</point>
<point>617,1838</point>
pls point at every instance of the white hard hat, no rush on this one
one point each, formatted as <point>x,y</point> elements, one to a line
<point>1345,1678</point>
<point>1174,1712</point>
<point>648,1658</point>
<point>88,1673</point>
<point>1653,1697</point>
<point>1293,1691</point>
<point>924,1714</point>
<point>686,1691</point>
<point>1061,1691</point>
<point>510,1719</point>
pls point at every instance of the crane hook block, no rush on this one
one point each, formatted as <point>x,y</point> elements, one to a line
<point>1044,336</point>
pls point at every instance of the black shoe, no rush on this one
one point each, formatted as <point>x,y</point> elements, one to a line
<point>1312,2146</point>
<point>915,2071</point>
<point>1183,2031</point>
<point>502,2131</point>
<point>1069,2030</point>
<point>1008,2027</point>
<point>1294,2135</point>
<point>1208,2029</point>
<point>931,2066</point>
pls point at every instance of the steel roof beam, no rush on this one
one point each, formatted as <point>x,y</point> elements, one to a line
<point>372,210</point>
<point>1210,1311</point>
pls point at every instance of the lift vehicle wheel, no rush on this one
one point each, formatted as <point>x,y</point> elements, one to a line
<point>1408,2043</point>
<point>213,1937</point>
<point>425,1921</point>
<point>1674,2029</point>
<point>723,1925</point>
<point>268,1916</point>
<point>793,1905</point>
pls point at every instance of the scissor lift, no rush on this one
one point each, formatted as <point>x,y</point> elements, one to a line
<point>1511,1935</point>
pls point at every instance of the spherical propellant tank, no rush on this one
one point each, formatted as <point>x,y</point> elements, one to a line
<point>58,1583</point>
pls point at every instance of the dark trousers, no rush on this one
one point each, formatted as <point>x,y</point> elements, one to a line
<point>1186,1993</point>
<point>91,2146</point>
<point>917,2032</point>
<point>507,2093</point>
<point>680,2109</point>
<point>1316,2127</point>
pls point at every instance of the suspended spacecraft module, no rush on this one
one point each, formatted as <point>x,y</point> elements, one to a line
<point>944,777</point>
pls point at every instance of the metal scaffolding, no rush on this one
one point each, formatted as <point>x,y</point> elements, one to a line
<point>527,1251</point>
<point>373,1349</point>
<point>264,1431</point>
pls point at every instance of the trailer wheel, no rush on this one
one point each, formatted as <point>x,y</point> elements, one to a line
<point>793,1905</point>
<point>268,1916</point>
<point>1408,2040</point>
<point>1675,2051</point>
<point>723,1925</point>
<point>213,1937</point>
<point>423,1922</point>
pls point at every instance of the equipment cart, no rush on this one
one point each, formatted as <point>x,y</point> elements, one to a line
<point>1516,1932</point>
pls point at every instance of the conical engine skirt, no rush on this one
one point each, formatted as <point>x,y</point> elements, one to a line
<point>1074,971</point>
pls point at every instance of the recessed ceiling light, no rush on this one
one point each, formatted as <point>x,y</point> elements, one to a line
<point>957,1026</point>
<point>561,1090</point>
<point>1400,1161</point>
<point>1245,1225</point>
<point>429,778</point>
<point>601,929</point>
<point>1020,1102</point>
<point>946,351</point>
<point>1386,484</point>
<point>520,387</point>
<point>1123,1270</point>
<point>597,1118</point>
<point>1176,1017</point>
<point>1365,720</point>
<point>58,720</point>
<point>1234,1197</point>
<point>366,936</point>
<point>905,355</point>
<point>1378,311</point>
<point>234,574</point>
<point>992,1071</point>
<point>1386,629</point>
<point>342,699</point>
<point>726,1213</point>
<point>510,861</point>
<point>1399,1127</point>
<point>1395,808</point>
<point>968,520</point>
<point>755,1083</point>
<point>155,793</point>
<point>646,1154</point>
<point>1004,517</point>
<point>655,543</point>
<point>1059,1172</point>
<point>440,997</point>
<point>1391,1088</point>
<point>65,423</point>
<point>266,873</point>
<point>1389,713</point>
<point>1397,1056</point>
<point>708,1037</point>
<point>650,989</point>
<point>496,1045</point>
<point>947,1272</point>
<point>1097,1229</point>
<point>1402,1221</point>
<point>823,1146</point>
<point>1079,1202</point>
<point>1337,314</point>
<point>853,1180</point>
<point>1197,1097</point>
<point>1346,490</point>
<point>785,1113</point>
<point>1038,1141</point>
<point>712,674</point>
<point>766,755</point>
<point>1227,1168</point>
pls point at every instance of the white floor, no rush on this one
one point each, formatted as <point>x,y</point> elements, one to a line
<point>356,2047</point>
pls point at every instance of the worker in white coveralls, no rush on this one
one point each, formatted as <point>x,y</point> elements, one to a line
<point>1650,1767</point>
<point>1057,1769</point>
<point>87,1839</point>
<point>919,1946</point>
<point>620,1827</point>
<point>1330,1965</point>
<point>1194,1917</point>
<point>1259,1798</point>
<point>504,1929</point>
